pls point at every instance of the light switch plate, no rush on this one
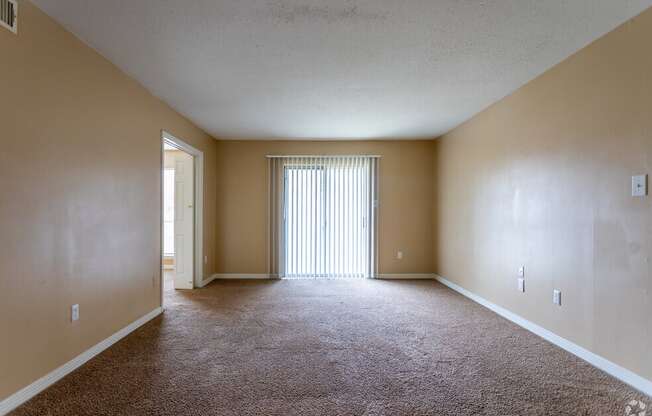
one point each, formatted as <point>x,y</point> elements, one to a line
<point>521,271</point>
<point>639,185</point>
<point>521,285</point>
<point>74,312</point>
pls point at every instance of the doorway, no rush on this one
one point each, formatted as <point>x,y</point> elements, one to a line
<point>182,201</point>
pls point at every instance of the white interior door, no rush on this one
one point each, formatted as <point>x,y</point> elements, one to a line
<point>184,221</point>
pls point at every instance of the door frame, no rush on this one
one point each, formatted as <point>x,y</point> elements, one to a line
<point>198,230</point>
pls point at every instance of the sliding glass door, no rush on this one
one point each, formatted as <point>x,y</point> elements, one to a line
<point>327,224</point>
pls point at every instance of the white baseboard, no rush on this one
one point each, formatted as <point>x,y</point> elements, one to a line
<point>23,395</point>
<point>389,276</point>
<point>406,276</point>
<point>642,384</point>
<point>249,276</point>
<point>240,276</point>
<point>207,280</point>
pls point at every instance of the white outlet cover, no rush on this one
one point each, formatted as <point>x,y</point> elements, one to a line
<point>74,312</point>
<point>556,297</point>
<point>639,185</point>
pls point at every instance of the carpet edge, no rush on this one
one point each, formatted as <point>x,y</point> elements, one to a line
<point>26,393</point>
<point>626,376</point>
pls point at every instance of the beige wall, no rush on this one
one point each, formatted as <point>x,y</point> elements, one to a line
<point>405,211</point>
<point>80,160</point>
<point>542,179</point>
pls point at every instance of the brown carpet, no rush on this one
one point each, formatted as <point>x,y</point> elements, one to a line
<point>361,347</point>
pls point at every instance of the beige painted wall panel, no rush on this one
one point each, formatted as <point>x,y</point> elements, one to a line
<point>80,160</point>
<point>405,213</point>
<point>542,179</point>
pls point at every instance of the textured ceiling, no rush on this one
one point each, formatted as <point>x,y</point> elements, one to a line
<point>335,69</point>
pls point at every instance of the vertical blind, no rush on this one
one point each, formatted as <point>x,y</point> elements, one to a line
<point>322,216</point>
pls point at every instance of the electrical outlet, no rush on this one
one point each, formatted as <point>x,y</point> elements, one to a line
<point>521,284</point>
<point>521,271</point>
<point>639,185</point>
<point>556,297</point>
<point>74,312</point>
<point>399,255</point>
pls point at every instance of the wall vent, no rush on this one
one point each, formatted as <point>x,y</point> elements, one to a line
<point>9,14</point>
